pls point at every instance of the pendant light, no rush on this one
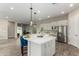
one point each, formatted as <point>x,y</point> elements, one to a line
<point>35,18</point>
<point>31,22</point>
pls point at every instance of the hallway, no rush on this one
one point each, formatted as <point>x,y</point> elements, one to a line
<point>11,48</point>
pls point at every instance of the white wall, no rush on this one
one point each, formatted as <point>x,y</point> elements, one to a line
<point>7,29</point>
<point>3,29</point>
<point>73,28</point>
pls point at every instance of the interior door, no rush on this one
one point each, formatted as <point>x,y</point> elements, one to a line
<point>11,30</point>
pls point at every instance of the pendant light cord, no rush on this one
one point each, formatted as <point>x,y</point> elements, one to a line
<point>31,13</point>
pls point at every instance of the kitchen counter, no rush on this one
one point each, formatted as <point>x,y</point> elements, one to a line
<point>39,40</point>
<point>41,46</point>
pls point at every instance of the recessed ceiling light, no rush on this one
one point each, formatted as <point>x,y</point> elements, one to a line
<point>71,5</point>
<point>7,17</point>
<point>11,8</point>
<point>39,18</point>
<point>38,11</point>
<point>62,12</point>
<point>48,16</point>
<point>48,5</point>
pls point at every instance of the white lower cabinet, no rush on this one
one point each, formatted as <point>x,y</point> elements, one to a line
<point>45,49</point>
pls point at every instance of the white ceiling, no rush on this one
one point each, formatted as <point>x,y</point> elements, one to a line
<point>22,14</point>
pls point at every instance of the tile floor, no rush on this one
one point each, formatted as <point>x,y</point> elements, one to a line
<point>11,47</point>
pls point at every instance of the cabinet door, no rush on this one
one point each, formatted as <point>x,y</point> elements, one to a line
<point>43,49</point>
<point>35,49</point>
<point>48,48</point>
<point>29,48</point>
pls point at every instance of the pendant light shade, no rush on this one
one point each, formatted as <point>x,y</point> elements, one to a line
<point>31,23</point>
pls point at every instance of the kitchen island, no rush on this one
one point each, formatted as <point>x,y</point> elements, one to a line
<point>41,45</point>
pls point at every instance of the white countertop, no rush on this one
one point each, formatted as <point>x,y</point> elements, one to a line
<point>41,40</point>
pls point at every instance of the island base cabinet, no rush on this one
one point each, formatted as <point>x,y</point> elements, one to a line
<point>34,49</point>
<point>48,49</point>
<point>45,49</point>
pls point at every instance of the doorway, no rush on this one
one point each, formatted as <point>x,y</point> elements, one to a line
<point>19,31</point>
<point>11,30</point>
